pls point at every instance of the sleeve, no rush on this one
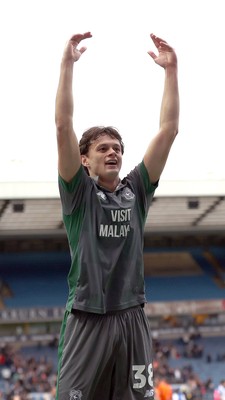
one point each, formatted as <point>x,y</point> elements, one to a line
<point>149,186</point>
<point>72,193</point>
<point>144,190</point>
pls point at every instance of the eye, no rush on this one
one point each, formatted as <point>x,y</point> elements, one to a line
<point>102,148</point>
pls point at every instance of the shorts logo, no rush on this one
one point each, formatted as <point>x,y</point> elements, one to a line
<point>75,394</point>
<point>149,394</point>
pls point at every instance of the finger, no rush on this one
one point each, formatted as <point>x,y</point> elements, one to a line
<point>152,54</point>
<point>157,38</point>
<point>76,38</point>
<point>165,47</point>
<point>80,36</point>
<point>160,43</point>
<point>87,35</point>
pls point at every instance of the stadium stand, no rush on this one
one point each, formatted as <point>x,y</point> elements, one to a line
<point>184,276</point>
<point>35,279</point>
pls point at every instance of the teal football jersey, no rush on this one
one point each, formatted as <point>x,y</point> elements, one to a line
<point>105,232</point>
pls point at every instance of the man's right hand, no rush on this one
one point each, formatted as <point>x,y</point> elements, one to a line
<point>71,51</point>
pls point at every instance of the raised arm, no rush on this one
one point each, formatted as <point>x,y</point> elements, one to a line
<point>158,150</point>
<point>68,149</point>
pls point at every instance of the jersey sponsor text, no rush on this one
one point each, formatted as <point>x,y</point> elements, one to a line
<point>113,230</point>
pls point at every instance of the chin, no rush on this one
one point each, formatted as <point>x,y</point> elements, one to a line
<point>113,173</point>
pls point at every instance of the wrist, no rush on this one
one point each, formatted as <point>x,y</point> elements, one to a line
<point>171,68</point>
<point>67,62</point>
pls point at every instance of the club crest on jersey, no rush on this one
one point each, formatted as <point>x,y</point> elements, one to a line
<point>101,195</point>
<point>75,394</point>
<point>128,194</point>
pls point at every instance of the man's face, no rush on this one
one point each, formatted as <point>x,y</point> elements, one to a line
<point>104,158</point>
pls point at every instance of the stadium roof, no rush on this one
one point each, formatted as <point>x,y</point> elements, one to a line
<point>166,214</point>
<point>33,210</point>
<point>37,189</point>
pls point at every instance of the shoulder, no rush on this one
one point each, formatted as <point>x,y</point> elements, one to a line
<point>81,176</point>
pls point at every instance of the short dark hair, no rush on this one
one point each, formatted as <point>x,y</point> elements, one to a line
<point>91,134</point>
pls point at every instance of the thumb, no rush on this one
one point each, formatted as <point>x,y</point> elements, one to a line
<point>152,54</point>
<point>82,49</point>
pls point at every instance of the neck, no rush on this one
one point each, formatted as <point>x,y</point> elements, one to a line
<point>109,185</point>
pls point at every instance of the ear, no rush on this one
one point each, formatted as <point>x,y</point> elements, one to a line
<point>84,161</point>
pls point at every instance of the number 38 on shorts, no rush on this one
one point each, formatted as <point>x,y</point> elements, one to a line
<point>142,375</point>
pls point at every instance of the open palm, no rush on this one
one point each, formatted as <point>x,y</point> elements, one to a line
<point>166,54</point>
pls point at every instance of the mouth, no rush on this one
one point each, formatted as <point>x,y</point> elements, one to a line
<point>111,163</point>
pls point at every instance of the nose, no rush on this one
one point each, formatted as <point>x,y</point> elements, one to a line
<point>111,151</point>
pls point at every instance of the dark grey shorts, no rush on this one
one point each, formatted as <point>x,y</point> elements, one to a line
<point>105,357</point>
